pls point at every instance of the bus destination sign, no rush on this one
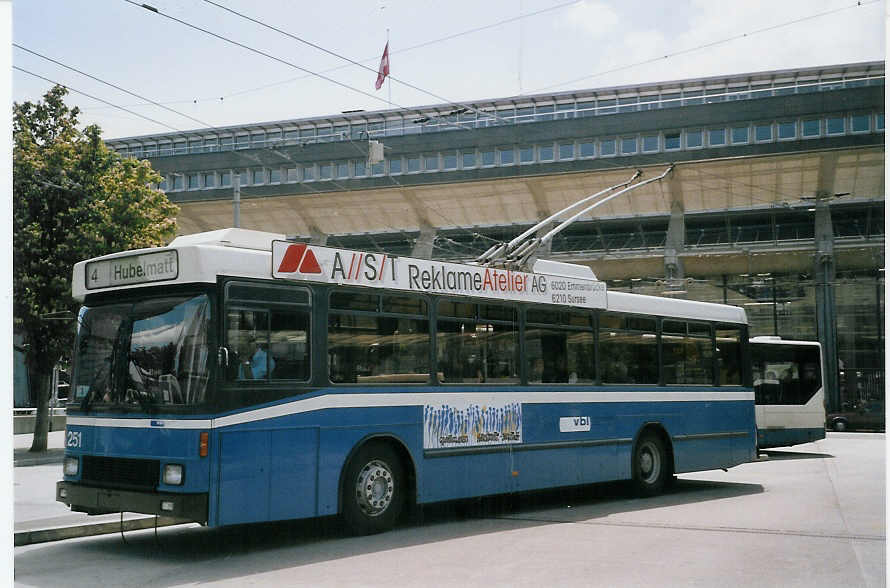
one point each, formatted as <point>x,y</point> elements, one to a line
<point>132,269</point>
<point>299,261</point>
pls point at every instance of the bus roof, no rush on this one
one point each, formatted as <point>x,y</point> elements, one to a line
<point>203,257</point>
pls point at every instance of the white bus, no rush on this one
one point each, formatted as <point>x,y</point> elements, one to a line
<point>789,395</point>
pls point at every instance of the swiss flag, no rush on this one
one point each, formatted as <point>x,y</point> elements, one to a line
<point>383,70</point>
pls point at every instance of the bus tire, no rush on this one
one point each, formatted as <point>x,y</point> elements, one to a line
<point>650,466</point>
<point>373,490</point>
<point>839,425</point>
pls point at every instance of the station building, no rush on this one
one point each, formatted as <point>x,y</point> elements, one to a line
<point>775,203</point>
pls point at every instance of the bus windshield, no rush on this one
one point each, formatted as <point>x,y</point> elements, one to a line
<point>147,353</point>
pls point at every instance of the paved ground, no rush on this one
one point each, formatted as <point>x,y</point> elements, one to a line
<point>813,515</point>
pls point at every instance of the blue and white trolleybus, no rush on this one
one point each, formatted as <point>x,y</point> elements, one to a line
<point>237,377</point>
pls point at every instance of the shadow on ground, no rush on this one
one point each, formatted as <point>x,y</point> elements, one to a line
<point>186,554</point>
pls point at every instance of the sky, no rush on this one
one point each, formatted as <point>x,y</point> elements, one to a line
<point>547,46</point>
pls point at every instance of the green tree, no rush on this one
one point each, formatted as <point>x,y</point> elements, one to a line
<point>73,199</point>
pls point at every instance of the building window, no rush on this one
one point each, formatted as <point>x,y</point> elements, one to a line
<point>879,122</point>
<point>244,178</point>
<point>670,100</point>
<point>377,169</point>
<point>545,153</point>
<point>671,141</point>
<point>763,132</point>
<point>164,149</point>
<point>210,180</point>
<point>544,112</point>
<point>586,109</point>
<point>834,126</point>
<point>292,137</point>
<point>395,165</point>
<point>242,141</point>
<point>196,146</point>
<point>810,128</point>
<point>359,168</point>
<point>325,171</point>
<point>859,123</point>
<point>177,182</point>
<point>694,139</point>
<point>606,106</point>
<point>691,97</point>
<point>627,104</point>
<point>293,174</point>
<point>716,137</point>
<point>210,145</point>
<point>527,154</point>
<point>259,176</point>
<point>469,159</point>
<point>258,139</point>
<point>566,150</point>
<point>342,169</point>
<point>275,175</point>
<point>787,129</point>
<point>179,148</point>
<point>449,161</point>
<point>273,137</point>
<point>488,158</point>
<point>628,145</point>
<point>151,150</point>
<point>225,179</point>
<point>650,143</point>
<point>194,181</point>
<point>308,173</point>
<point>505,156</point>
<point>413,164</point>
<point>163,185</point>
<point>226,143</point>
<point>431,163</point>
<point>586,149</point>
<point>607,147</point>
<point>564,111</point>
<point>739,135</point>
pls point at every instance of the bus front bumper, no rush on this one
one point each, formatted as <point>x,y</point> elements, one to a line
<point>96,501</point>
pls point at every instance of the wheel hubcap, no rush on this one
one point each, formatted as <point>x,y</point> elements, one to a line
<point>374,488</point>
<point>650,463</point>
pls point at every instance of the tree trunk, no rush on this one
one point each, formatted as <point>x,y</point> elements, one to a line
<point>40,381</point>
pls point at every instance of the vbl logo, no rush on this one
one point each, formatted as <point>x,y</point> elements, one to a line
<point>581,421</point>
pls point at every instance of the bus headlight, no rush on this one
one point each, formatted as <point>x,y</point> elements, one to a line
<point>173,474</point>
<point>71,466</point>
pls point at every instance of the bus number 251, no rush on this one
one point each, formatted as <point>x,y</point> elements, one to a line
<point>73,439</point>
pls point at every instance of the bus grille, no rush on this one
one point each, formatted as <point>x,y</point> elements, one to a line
<point>119,472</point>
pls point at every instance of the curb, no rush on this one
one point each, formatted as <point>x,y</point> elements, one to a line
<point>26,458</point>
<point>61,533</point>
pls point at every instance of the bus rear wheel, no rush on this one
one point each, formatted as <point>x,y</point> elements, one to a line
<point>373,490</point>
<point>650,467</point>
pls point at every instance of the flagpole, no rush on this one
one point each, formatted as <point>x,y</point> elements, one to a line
<point>389,79</point>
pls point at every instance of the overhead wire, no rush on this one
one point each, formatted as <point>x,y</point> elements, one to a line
<point>395,52</point>
<point>279,59</point>
<point>353,62</point>
<point>709,44</point>
<point>116,87</point>
<point>15,67</point>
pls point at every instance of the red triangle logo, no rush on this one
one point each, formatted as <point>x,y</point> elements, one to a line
<point>292,258</point>
<point>310,264</point>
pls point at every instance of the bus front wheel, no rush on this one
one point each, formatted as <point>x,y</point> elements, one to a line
<point>373,490</point>
<point>650,467</point>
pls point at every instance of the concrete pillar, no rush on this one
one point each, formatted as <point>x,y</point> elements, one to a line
<point>826,305</point>
<point>823,276</point>
<point>423,247</point>
<point>318,237</point>
<point>675,243</point>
